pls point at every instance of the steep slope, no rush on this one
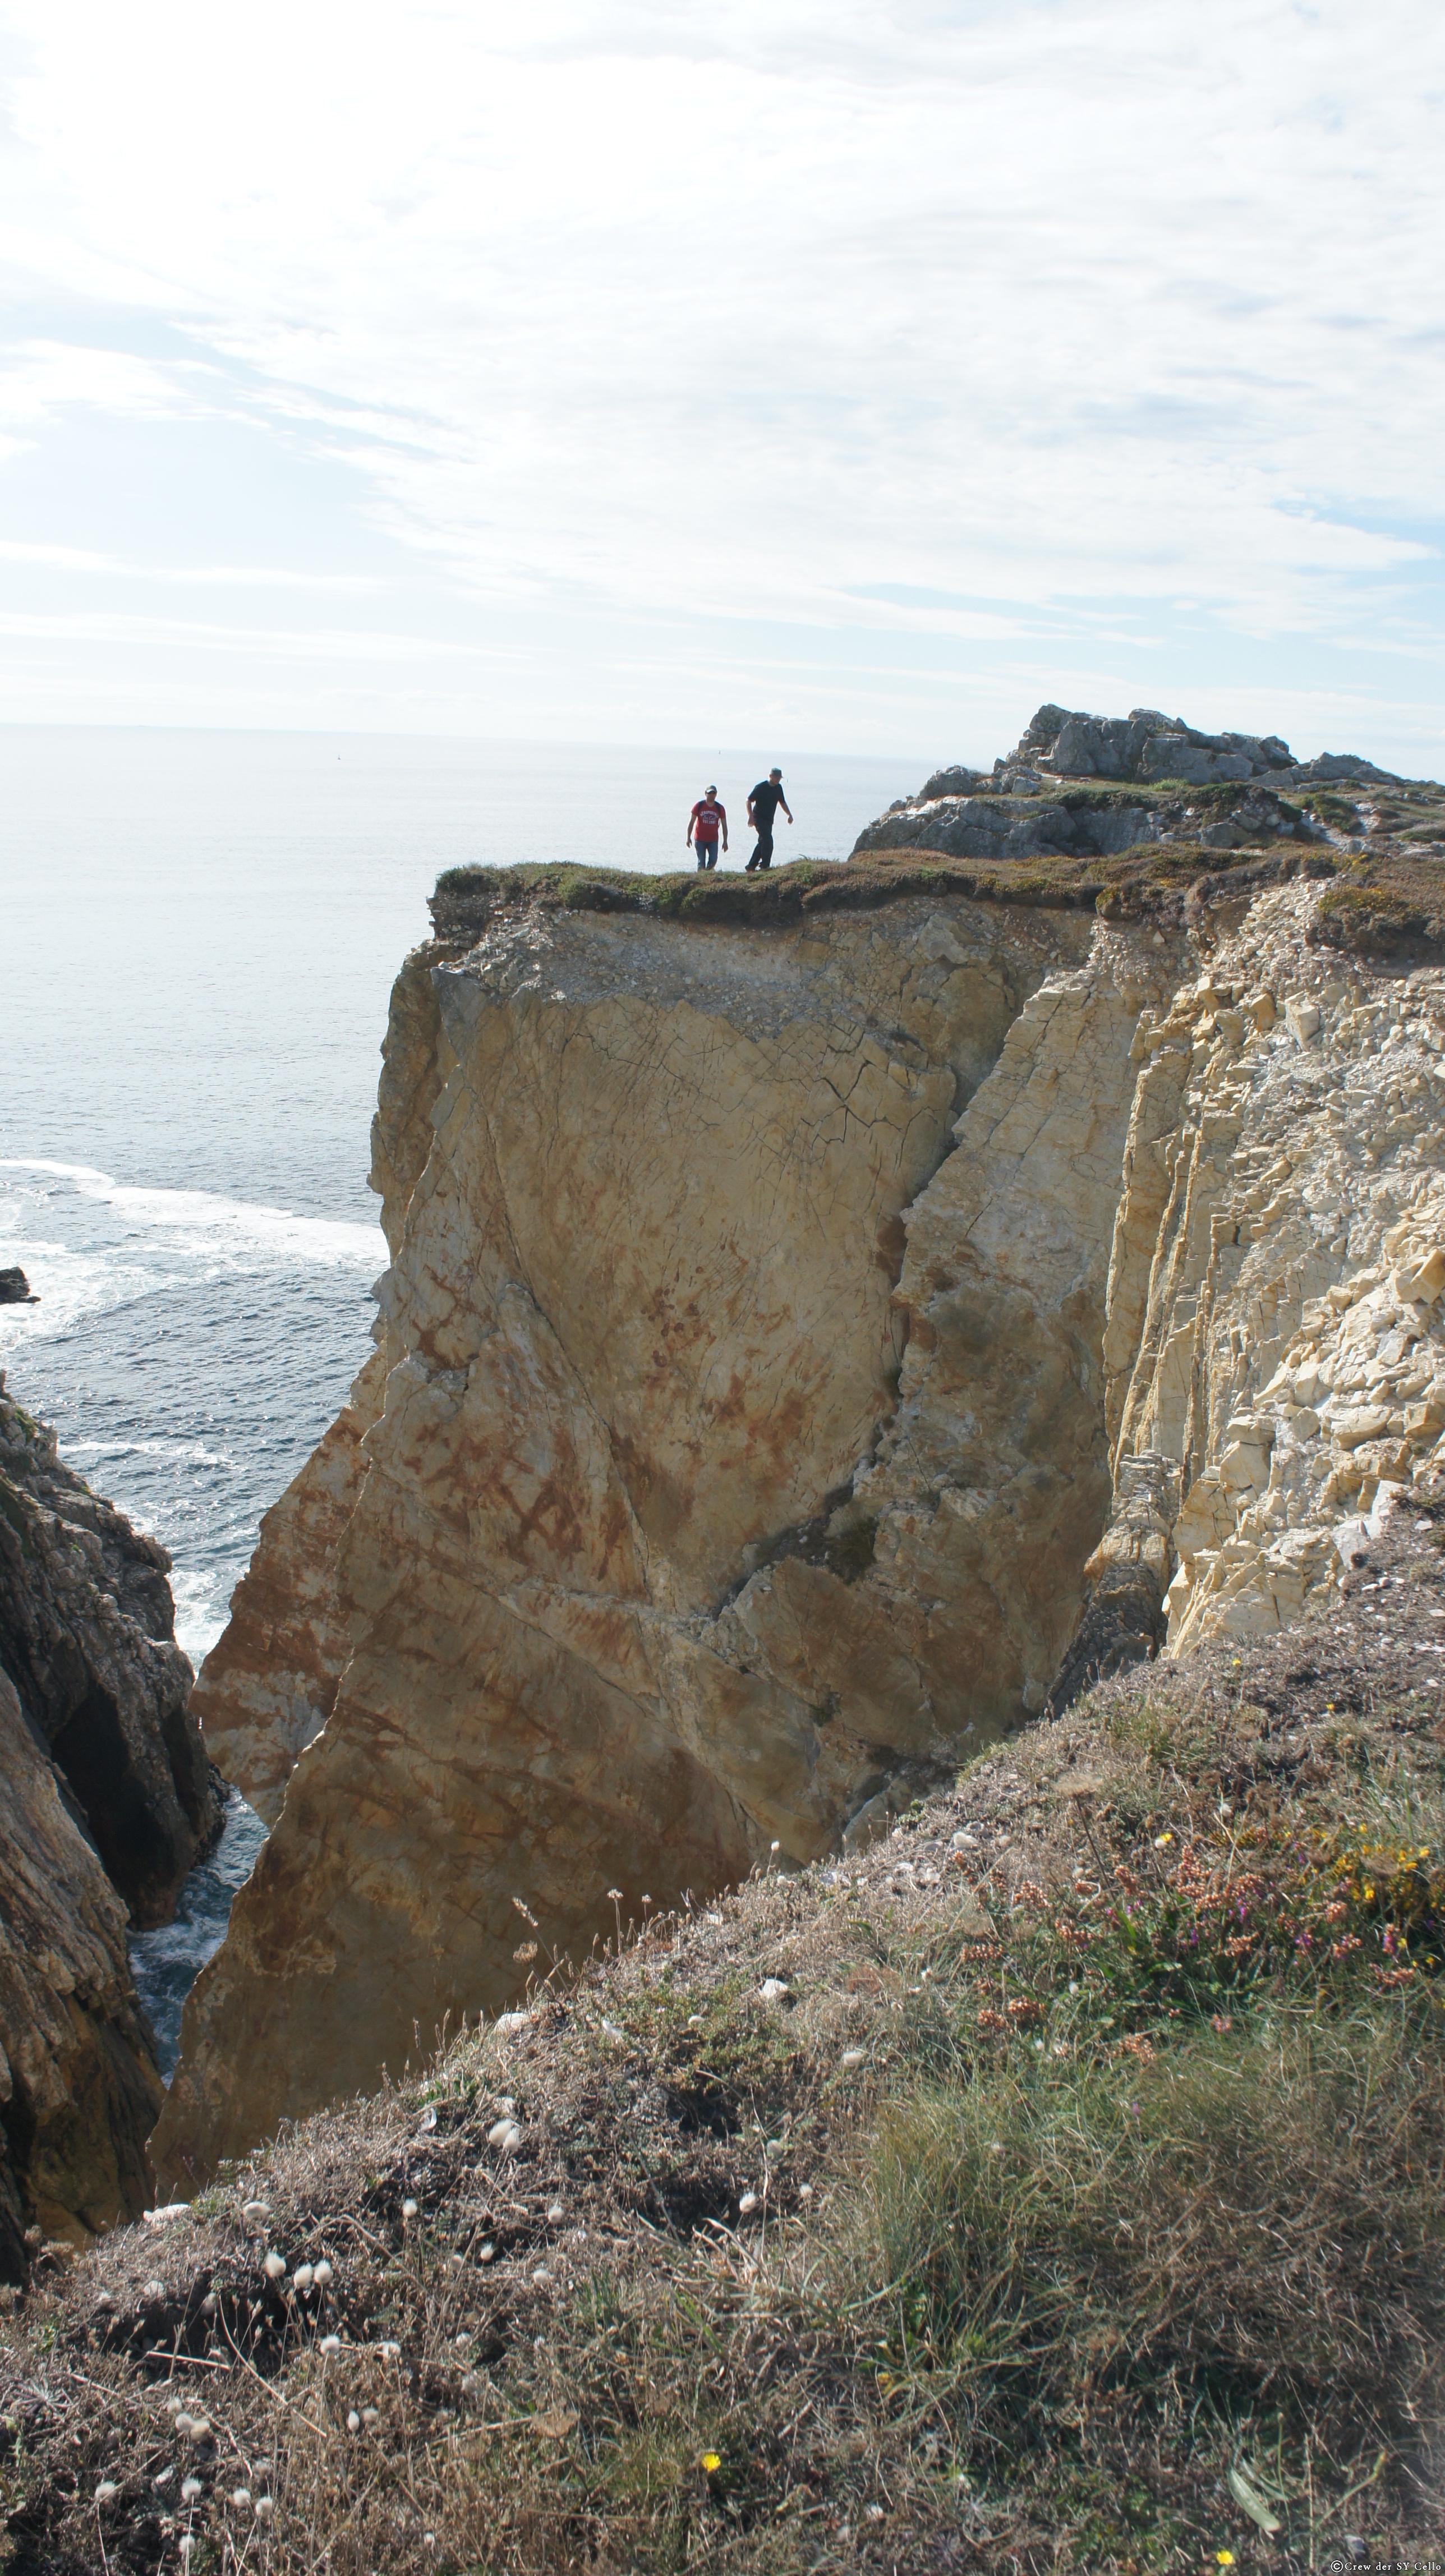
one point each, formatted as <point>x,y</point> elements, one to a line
<point>1056,2188</point>
<point>741,1448</point>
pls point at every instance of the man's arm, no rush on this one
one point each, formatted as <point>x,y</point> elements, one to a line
<point>723,811</point>
<point>787,809</point>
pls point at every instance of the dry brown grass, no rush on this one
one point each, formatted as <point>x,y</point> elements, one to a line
<point>1028,2217</point>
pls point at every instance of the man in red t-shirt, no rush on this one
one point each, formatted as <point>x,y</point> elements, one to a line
<point>706,820</point>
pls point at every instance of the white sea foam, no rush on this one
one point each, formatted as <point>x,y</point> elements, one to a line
<point>204,1216</point>
<point>202,1600</point>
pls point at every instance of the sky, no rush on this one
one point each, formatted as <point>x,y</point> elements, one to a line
<point>843,374</point>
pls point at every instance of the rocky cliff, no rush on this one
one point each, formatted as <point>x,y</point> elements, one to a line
<point>87,1637</point>
<point>108,1801</point>
<point>79,2084</point>
<point>825,1318</point>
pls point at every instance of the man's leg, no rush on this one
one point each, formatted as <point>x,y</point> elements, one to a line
<point>763,854</point>
<point>701,854</point>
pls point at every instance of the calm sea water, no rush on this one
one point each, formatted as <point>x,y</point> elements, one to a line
<point>198,934</point>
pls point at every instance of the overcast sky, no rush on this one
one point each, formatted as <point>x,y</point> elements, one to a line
<point>850,376</point>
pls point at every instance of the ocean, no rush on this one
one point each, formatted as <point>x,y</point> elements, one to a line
<point>198,934</point>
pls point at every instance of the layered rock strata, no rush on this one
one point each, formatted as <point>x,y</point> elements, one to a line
<point>739,1448</point>
<point>1275,1347</point>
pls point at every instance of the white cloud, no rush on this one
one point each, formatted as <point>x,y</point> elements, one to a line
<point>1063,312</point>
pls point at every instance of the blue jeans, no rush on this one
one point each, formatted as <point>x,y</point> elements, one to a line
<point>706,853</point>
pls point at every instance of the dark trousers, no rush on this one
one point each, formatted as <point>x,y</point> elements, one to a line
<point>763,855</point>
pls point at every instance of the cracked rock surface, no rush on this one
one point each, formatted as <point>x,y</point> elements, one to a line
<point>808,1352</point>
<point>730,1461</point>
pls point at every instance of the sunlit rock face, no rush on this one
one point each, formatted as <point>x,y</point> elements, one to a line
<point>806,1352</point>
<point>1275,1345</point>
<point>729,1465</point>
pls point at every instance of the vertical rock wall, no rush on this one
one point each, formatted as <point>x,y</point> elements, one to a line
<point>87,1639</point>
<point>1274,1348</point>
<point>106,1800</point>
<point>79,2086</point>
<point>741,1446</point>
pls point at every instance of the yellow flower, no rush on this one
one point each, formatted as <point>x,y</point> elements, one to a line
<point>1224,2558</point>
<point>1161,1839</point>
<point>712,2462</point>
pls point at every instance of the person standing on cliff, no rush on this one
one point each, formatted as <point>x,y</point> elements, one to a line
<point>706,820</point>
<point>763,804</point>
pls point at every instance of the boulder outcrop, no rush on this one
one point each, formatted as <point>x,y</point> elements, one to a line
<point>828,1322</point>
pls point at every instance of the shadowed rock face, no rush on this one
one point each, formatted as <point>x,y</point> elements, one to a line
<point>87,1639</point>
<point>107,1801</point>
<point>731,1460</point>
<point>79,2085</point>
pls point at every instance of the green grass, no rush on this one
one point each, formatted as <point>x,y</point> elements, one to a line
<point>1132,2191</point>
<point>1385,907</point>
<point>1139,883</point>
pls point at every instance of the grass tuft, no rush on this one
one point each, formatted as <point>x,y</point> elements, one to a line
<point>1058,2184</point>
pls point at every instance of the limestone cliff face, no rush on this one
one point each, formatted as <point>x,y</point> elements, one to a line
<point>806,1352</point>
<point>107,1802</point>
<point>740,1443</point>
<point>1274,1350</point>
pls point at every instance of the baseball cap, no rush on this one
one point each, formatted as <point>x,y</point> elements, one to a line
<point>712,791</point>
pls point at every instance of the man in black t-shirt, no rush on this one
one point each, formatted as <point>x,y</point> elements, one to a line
<point>763,804</point>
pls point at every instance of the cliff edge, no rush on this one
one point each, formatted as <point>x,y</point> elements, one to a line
<point>827,1322</point>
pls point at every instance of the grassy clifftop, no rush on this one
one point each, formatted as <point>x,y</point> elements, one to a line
<point>1057,2183</point>
<point>1147,879</point>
